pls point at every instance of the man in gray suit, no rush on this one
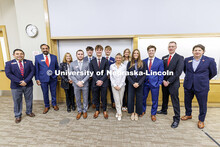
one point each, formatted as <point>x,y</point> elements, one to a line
<point>80,77</point>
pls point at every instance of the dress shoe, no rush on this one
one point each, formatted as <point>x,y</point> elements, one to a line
<point>113,105</point>
<point>153,118</point>
<point>186,117</point>
<point>46,109</point>
<point>18,120</point>
<point>56,108</point>
<point>85,115</point>
<point>68,110</point>
<point>201,124</point>
<point>105,114</point>
<point>142,114</point>
<point>78,115</point>
<point>73,108</point>
<point>132,116</point>
<point>31,114</point>
<point>93,106</point>
<point>135,116</point>
<point>174,124</point>
<point>162,112</point>
<point>124,109</point>
<point>96,114</point>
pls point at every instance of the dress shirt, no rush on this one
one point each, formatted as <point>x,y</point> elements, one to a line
<point>80,63</point>
<point>117,75</point>
<point>48,58</point>
<point>19,63</point>
<point>148,63</point>
<point>195,63</point>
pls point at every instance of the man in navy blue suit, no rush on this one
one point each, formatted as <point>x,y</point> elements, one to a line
<point>21,71</point>
<point>111,60</point>
<point>199,69</point>
<point>152,82</point>
<point>45,66</point>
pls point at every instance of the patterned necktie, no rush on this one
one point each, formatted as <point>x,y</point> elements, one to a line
<point>99,62</point>
<point>47,61</point>
<point>21,68</point>
<point>168,62</point>
<point>150,64</point>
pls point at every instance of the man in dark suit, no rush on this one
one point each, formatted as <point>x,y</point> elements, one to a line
<point>45,66</point>
<point>152,82</point>
<point>173,63</point>
<point>199,69</point>
<point>99,67</point>
<point>111,60</point>
<point>88,58</point>
<point>21,71</point>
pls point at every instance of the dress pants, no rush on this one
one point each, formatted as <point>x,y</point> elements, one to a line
<point>17,98</point>
<point>96,96</point>
<point>125,98</point>
<point>118,97</point>
<point>89,93</point>
<point>53,85</point>
<point>110,90</point>
<point>154,96</point>
<point>70,96</point>
<point>173,91</point>
<point>202,100</point>
<point>132,92</point>
<point>84,91</point>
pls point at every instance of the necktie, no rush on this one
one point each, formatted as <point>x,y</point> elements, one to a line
<point>80,65</point>
<point>21,68</point>
<point>150,64</point>
<point>99,62</point>
<point>47,61</point>
<point>107,58</point>
<point>168,62</point>
<point>89,60</point>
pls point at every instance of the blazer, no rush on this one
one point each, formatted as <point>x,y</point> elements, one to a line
<point>104,66</point>
<point>140,78</point>
<point>199,79</point>
<point>175,66</point>
<point>64,78</point>
<point>111,61</point>
<point>154,80</point>
<point>41,68</point>
<point>74,67</point>
<point>86,58</point>
<point>13,72</point>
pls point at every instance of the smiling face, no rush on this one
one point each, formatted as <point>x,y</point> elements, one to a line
<point>197,52</point>
<point>90,53</point>
<point>127,54</point>
<point>68,58</point>
<point>151,52</point>
<point>98,52</point>
<point>45,49</point>
<point>118,59</point>
<point>136,55</point>
<point>80,55</point>
<point>172,48</point>
<point>18,55</point>
<point>108,52</point>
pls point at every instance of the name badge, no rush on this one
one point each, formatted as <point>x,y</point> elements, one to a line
<point>14,63</point>
<point>42,60</point>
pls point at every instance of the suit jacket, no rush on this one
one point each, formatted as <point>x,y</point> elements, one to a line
<point>154,80</point>
<point>13,72</point>
<point>140,78</point>
<point>41,68</point>
<point>199,79</point>
<point>111,61</point>
<point>175,66</point>
<point>104,66</point>
<point>74,67</point>
<point>64,78</point>
<point>86,58</point>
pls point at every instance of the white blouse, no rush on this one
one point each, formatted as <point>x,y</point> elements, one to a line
<point>118,75</point>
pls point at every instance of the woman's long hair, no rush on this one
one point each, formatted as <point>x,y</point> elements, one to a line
<point>64,58</point>
<point>139,61</point>
<point>129,57</point>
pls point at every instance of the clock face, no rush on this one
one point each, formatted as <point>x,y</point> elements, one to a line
<point>31,30</point>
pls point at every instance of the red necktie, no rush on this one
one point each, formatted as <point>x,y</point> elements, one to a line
<point>168,62</point>
<point>21,68</point>
<point>107,58</point>
<point>47,61</point>
<point>99,63</point>
<point>150,64</point>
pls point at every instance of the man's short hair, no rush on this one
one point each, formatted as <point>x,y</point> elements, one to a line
<point>199,46</point>
<point>43,45</point>
<point>99,47</point>
<point>172,42</point>
<point>80,50</point>
<point>151,46</point>
<point>18,50</point>
<point>108,48</point>
<point>89,48</point>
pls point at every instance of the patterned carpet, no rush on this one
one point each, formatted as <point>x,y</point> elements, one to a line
<point>59,128</point>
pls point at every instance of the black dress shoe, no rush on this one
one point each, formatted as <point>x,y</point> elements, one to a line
<point>162,112</point>
<point>174,124</point>
<point>68,110</point>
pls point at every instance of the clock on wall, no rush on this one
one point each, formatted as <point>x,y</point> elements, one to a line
<point>31,30</point>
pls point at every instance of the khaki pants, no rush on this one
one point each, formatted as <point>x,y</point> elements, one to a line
<point>118,97</point>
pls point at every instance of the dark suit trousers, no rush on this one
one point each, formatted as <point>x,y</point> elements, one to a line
<point>70,96</point>
<point>132,92</point>
<point>110,89</point>
<point>202,100</point>
<point>125,98</point>
<point>96,96</point>
<point>90,88</point>
<point>173,91</point>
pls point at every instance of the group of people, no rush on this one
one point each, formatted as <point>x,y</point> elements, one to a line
<point>128,92</point>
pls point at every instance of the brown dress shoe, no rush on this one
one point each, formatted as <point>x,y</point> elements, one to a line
<point>78,115</point>
<point>85,115</point>
<point>142,114</point>
<point>46,109</point>
<point>105,114</point>
<point>93,106</point>
<point>113,105</point>
<point>201,125</point>
<point>96,114</point>
<point>18,120</point>
<point>186,117</point>
<point>31,115</point>
<point>56,108</point>
<point>153,118</point>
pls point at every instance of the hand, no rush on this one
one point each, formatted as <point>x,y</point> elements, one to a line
<point>70,81</point>
<point>165,83</point>
<point>38,82</point>
<point>136,85</point>
<point>117,88</point>
<point>23,83</point>
<point>80,84</point>
<point>99,83</point>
